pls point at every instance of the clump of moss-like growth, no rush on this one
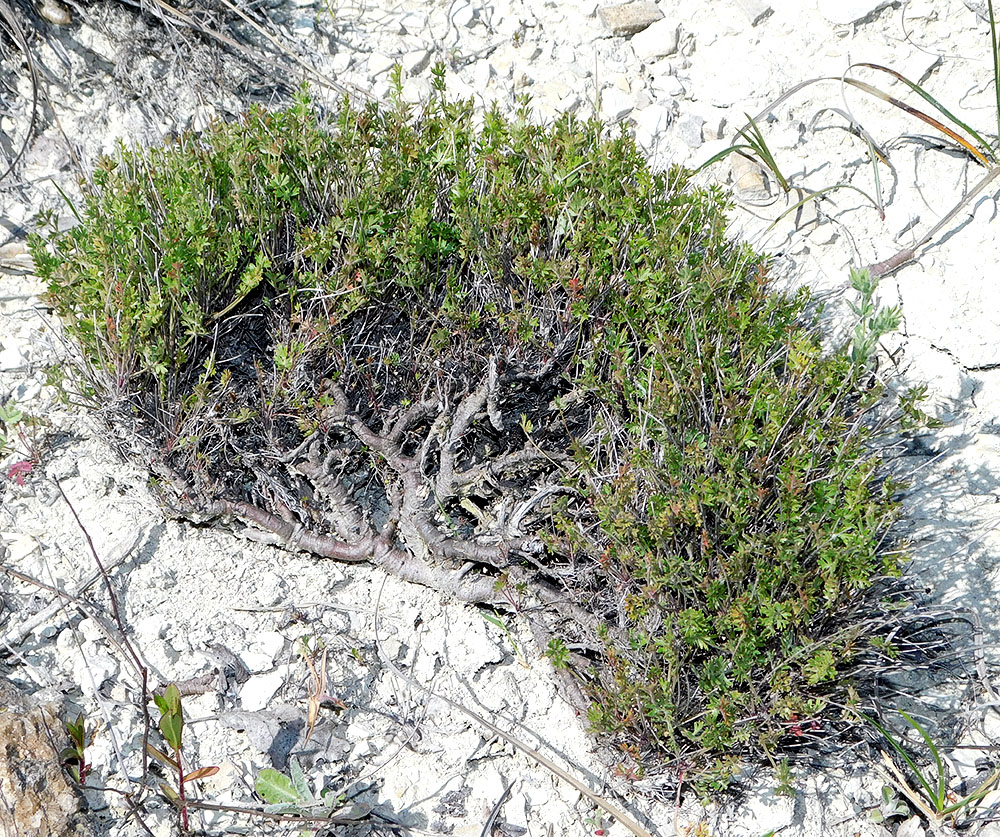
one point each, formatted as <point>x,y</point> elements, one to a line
<point>512,363</point>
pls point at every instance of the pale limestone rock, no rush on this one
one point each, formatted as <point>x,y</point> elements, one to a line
<point>650,122</point>
<point>416,62</point>
<point>12,359</point>
<point>615,104</point>
<point>257,692</point>
<point>689,130</point>
<point>747,177</point>
<point>842,12</point>
<point>629,18</point>
<point>657,40</point>
<point>756,11</point>
<point>379,63</point>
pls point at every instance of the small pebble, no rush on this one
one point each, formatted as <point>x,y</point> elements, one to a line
<point>54,12</point>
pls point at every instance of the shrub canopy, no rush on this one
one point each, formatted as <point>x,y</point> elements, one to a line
<point>512,362</point>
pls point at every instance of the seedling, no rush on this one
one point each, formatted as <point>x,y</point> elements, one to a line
<point>74,758</point>
<point>10,418</point>
<point>172,728</point>
<point>891,805</point>
<point>499,623</point>
<point>873,322</point>
<point>928,792</point>
<point>291,793</point>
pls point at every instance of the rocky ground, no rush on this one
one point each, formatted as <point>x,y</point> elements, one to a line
<point>244,624</point>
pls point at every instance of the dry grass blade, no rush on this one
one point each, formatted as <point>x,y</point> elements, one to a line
<point>893,263</point>
<point>916,88</point>
<point>857,129</point>
<point>995,49</point>
<point>190,22</point>
<point>326,80</point>
<point>8,18</point>
<point>930,120</point>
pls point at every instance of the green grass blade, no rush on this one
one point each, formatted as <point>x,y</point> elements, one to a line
<point>903,754</point>
<point>759,145</point>
<point>819,193</point>
<point>856,128</point>
<point>974,797</point>
<point>916,88</point>
<point>69,202</point>
<point>941,798</point>
<point>878,181</point>
<point>732,149</point>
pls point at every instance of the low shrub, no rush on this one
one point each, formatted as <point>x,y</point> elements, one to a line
<point>514,363</point>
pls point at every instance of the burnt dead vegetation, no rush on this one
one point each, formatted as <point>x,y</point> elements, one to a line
<point>512,363</point>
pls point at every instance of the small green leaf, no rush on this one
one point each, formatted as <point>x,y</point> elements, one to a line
<point>299,781</point>
<point>172,727</point>
<point>276,787</point>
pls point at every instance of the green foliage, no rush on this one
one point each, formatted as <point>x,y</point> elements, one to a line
<point>10,417</point>
<point>171,726</point>
<point>930,794</point>
<point>74,758</point>
<point>721,513</point>
<point>171,716</point>
<point>291,794</point>
<point>873,322</point>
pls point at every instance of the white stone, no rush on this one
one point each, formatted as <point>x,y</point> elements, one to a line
<point>551,93</point>
<point>413,23</point>
<point>658,40</point>
<point>667,86</point>
<point>650,122</point>
<point>28,391</point>
<point>482,74</point>
<point>379,63</point>
<point>90,631</point>
<point>342,61</point>
<point>304,26</point>
<point>12,359</point>
<point>93,667</point>
<point>150,628</point>
<point>464,14</point>
<point>257,692</point>
<point>615,104</point>
<point>629,18</point>
<point>689,127</point>
<point>19,546</point>
<point>270,643</point>
<point>911,828</point>
<point>416,91</point>
<point>842,12</point>
<point>755,11</point>
<point>271,589</point>
<point>416,62</point>
<point>922,10</point>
